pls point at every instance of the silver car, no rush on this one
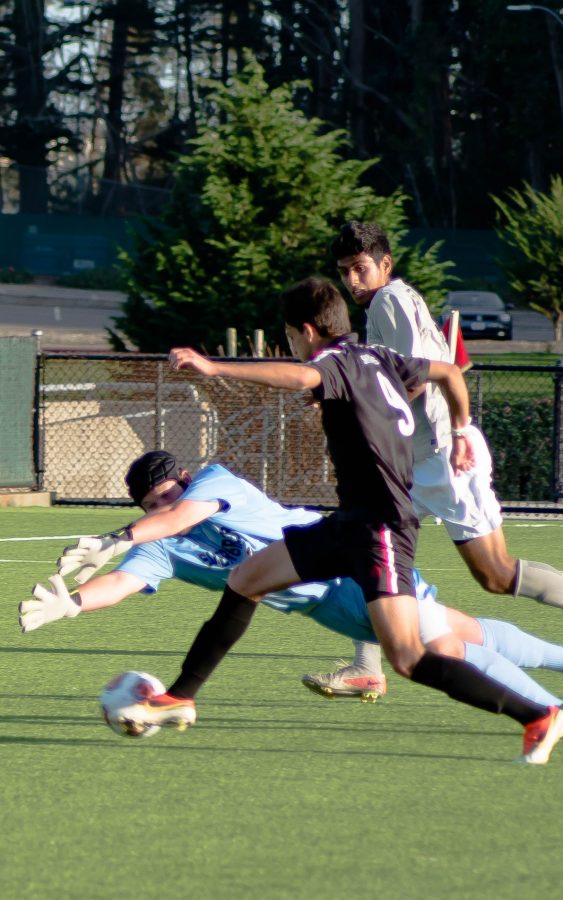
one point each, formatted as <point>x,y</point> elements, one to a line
<point>482,314</point>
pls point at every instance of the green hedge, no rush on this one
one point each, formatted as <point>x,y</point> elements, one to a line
<point>10,275</point>
<point>520,436</point>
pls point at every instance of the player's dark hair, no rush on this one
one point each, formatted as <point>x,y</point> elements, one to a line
<point>317,302</point>
<point>147,471</point>
<point>361,237</point>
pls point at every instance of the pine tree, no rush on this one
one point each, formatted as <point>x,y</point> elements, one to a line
<point>530,224</point>
<point>256,203</point>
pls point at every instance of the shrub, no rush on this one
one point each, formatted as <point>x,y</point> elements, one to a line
<point>15,276</point>
<point>520,437</point>
<point>94,279</point>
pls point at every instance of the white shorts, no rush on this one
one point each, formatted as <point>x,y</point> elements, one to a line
<point>432,619</point>
<point>466,503</point>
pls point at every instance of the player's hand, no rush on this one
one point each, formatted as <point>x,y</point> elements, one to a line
<point>186,358</point>
<point>91,553</point>
<point>48,606</point>
<point>462,457</point>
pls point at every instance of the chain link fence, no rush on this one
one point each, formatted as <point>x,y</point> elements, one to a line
<point>97,412</point>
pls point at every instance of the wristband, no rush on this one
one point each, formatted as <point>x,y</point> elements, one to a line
<point>461,432</point>
<point>121,533</point>
<point>76,598</point>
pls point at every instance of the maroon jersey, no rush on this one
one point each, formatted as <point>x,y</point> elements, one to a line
<point>369,426</point>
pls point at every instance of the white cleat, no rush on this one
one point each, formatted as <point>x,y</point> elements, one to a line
<point>350,681</point>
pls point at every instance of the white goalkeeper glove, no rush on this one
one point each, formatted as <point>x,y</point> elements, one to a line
<point>91,553</point>
<point>48,605</point>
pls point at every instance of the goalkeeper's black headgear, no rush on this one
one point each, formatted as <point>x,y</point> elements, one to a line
<point>149,470</point>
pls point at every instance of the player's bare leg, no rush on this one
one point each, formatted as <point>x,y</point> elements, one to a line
<point>498,572</point>
<point>466,627</point>
<point>395,621</point>
<point>489,561</point>
<point>267,571</point>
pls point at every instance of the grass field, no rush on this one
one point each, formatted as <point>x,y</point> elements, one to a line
<point>276,793</point>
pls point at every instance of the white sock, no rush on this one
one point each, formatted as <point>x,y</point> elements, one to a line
<point>368,656</point>
<point>540,582</point>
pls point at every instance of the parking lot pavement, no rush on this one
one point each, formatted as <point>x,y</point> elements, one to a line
<point>530,326</point>
<point>69,318</point>
<point>74,318</point>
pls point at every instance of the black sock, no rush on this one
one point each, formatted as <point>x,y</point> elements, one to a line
<point>214,640</point>
<point>464,682</point>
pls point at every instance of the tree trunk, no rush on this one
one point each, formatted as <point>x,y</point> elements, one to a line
<point>416,14</point>
<point>557,323</point>
<point>183,13</point>
<point>30,103</point>
<point>356,51</point>
<point>114,153</point>
<point>556,56</point>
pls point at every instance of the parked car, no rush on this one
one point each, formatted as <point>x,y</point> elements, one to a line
<point>482,314</point>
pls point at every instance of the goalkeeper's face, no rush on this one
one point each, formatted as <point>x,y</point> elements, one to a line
<point>165,494</point>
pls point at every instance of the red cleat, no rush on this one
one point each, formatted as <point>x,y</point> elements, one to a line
<point>165,710</point>
<point>541,736</point>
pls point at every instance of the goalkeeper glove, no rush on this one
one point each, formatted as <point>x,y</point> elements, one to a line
<point>91,553</point>
<point>48,605</point>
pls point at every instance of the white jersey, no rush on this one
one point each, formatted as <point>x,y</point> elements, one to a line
<point>399,319</point>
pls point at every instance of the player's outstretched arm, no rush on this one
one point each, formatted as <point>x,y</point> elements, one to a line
<point>452,384</point>
<point>293,376</point>
<point>91,553</point>
<point>48,605</point>
<point>58,603</point>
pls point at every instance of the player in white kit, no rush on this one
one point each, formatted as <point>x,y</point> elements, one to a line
<point>398,318</point>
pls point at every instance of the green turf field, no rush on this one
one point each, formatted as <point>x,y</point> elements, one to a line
<point>276,793</point>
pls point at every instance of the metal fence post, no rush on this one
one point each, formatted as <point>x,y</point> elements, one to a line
<point>158,409</point>
<point>557,476</point>
<point>478,411</point>
<point>38,441</point>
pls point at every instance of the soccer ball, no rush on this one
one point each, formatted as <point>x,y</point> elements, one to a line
<point>121,694</point>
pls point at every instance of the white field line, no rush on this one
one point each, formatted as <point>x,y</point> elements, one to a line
<point>36,562</point>
<point>65,537</point>
<point>52,537</point>
<point>70,537</point>
<point>55,537</point>
<point>535,524</point>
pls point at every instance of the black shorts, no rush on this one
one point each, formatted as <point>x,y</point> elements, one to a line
<point>379,558</point>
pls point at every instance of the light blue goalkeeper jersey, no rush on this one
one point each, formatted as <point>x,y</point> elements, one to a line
<point>247,522</point>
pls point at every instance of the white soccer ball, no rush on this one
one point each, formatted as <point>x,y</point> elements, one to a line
<point>119,698</point>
